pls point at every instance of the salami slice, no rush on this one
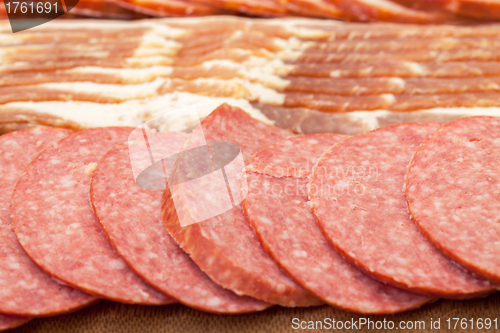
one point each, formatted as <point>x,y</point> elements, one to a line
<point>225,246</point>
<point>357,195</point>
<point>453,192</point>
<point>10,322</point>
<point>277,208</point>
<point>24,288</point>
<point>56,226</point>
<point>131,218</point>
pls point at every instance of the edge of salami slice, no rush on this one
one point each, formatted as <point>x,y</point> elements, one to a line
<point>24,288</point>
<point>10,322</point>
<point>461,205</point>
<point>225,246</point>
<point>289,232</point>
<point>362,181</point>
<point>62,235</point>
<point>123,209</point>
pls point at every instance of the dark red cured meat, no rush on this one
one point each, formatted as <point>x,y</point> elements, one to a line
<point>24,288</point>
<point>167,7</point>
<point>478,9</point>
<point>62,235</point>
<point>316,8</point>
<point>278,211</point>
<point>131,218</point>
<point>10,322</point>
<point>453,188</point>
<point>385,10</point>
<point>104,9</point>
<point>252,7</point>
<point>3,11</point>
<point>357,194</point>
<point>225,247</point>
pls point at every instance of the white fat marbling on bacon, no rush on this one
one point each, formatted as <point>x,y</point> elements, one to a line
<point>119,91</point>
<point>135,112</point>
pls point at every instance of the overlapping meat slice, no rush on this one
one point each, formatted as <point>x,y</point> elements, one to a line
<point>131,218</point>
<point>168,7</point>
<point>62,235</point>
<point>452,190</point>
<point>278,211</point>
<point>385,10</point>
<point>398,69</point>
<point>224,246</point>
<point>477,9</point>
<point>252,7</point>
<point>104,9</point>
<point>24,288</point>
<point>357,194</point>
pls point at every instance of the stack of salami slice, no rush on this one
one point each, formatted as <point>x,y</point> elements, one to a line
<point>408,11</point>
<point>324,219</point>
<point>308,76</point>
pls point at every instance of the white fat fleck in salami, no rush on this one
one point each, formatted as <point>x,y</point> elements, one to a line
<point>453,192</point>
<point>55,223</point>
<point>278,211</point>
<point>225,246</point>
<point>9,322</point>
<point>24,288</point>
<point>131,218</point>
<point>357,195</point>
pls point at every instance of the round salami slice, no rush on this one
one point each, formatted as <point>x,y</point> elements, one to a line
<point>357,195</point>
<point>277,208</point>
<point>10,322</point>
<point>131,218</point>
<point>224,246</point>
<point>453,192</point>
<point>56,225</point>
<point>24,288</point>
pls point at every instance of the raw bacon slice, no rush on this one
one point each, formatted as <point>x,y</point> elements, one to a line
<point>24,288</point>
<point>277,208</point>
<point>163,8</point>
<point>104,9</point>
<point>337,103</point>
<point>316,8</point>
<point>399,69</point>
<point>384,10</point>
<point>251,7</point>
<point>131,218</point>
<point>225,246</point>
<point>62,234</point>
<point>478,9</point>
<point>453,188</point>
<point>87,115</point>
<point>357,195</point>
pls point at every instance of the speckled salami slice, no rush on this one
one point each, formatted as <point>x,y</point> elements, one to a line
<point>24,288</point>
<point>131,218</point>
<point>357,195</point>
<point>225,246</point>
<point>10,322</point>
<point>277,209</point>
<point>453,192</point>
<point>55,223</point>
